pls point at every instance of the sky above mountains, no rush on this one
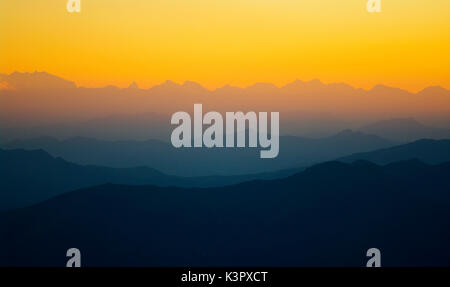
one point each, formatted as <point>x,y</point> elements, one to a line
<point>239,42</point>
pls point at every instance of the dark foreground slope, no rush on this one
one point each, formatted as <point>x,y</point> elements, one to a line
<point>330,214</point>
<point>427,150</point>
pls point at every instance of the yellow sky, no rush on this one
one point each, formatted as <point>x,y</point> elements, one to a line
<point>240,42</point>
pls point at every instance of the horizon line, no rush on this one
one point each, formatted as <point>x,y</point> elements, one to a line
<point>225,85</point>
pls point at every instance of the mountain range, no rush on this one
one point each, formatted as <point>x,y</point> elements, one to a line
<point>405,130</point>
<point>427,150</point>
<point>294,152</point>
<point>30,102</point>
<point>93,168</point>
<point>32,176</point>
<point>327,215</point>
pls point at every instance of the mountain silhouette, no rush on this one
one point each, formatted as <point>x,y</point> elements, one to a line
<point>40,100</point>
<point>294,152</point>
<point>404,130</point>
<point>328,215</point>
<point>31,176</point>
<point>426,150</point>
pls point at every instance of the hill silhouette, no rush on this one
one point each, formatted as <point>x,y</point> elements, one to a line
<point>426,150</point>
<point>35,101</point>
<point>404,130</point>
<point>294,152</point>
<point>31,176</point>
<point>327,215</point>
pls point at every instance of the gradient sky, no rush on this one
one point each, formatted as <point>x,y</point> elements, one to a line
<point>240,42</point>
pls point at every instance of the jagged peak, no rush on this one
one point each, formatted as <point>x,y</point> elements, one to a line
<point>133,86</point>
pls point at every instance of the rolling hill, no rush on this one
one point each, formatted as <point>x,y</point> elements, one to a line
<point>426,150</point>
<point>327,215</point>
<point>294,152</point>
<point>31,176</point>
<point>405,130</point>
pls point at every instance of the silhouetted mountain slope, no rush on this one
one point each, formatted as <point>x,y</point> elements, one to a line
<point>330,214</point>
<point>294,152</point>
<point>405,130</point>
<point>29,177</point>
<point>29,90</point>
<point>426,150</point>
<point>306,107</point>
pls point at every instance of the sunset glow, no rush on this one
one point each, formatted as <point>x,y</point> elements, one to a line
<point>237,42</point>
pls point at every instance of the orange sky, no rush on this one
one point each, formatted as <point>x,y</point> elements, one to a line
<point>240,42</point>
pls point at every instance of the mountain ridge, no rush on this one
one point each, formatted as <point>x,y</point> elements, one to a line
<point>427,150</point>
<point>31,176</point>
<point>284,222</point>
<point>294,152</point>
<point>16,75</point>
